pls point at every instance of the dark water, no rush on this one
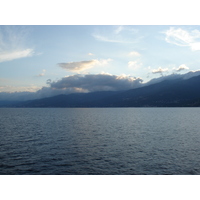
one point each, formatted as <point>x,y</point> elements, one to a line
<point>100,141</point>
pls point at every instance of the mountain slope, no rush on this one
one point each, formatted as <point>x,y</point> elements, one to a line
<point>71,100</point>
<point>177,92</point>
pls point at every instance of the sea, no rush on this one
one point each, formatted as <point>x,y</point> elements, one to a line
<point>99,141</point>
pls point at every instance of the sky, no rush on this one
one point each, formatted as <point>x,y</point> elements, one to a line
<point>54,59</point>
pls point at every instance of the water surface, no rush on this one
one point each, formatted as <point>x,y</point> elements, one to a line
<point>99,141</point>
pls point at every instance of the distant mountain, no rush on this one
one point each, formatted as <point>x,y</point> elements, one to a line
<point>168,93</point>
<point>177,92</point>
<point>9,103</point>
<point>70,100</point>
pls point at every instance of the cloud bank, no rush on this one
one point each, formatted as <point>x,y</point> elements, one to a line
<point>96,82</point>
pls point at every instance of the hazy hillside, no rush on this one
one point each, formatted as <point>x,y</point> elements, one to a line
<point>168,93</point>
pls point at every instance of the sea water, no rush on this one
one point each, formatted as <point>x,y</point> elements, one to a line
<point>105,141</point>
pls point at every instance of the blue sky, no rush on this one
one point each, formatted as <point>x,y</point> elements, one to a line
<point>34,57</point>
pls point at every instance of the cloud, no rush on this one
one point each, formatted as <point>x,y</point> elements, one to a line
<point>182,67</point>
<point>90,54</point>
<point>134,64</point>
<point>106,39</point>
<point>160,70</point>
<point>182,37</point>
<point>119,34</point>
<point>173,77</point>
<point>119,29</point>
<point>82,65</point>
<point>191,74</point>
<point>12,43</point>
<point>96,82</point>
<point>12,55</point>
<point>127,29</point>
<point>134,53</point>
<point>42,74</point>
<point>48,82</point>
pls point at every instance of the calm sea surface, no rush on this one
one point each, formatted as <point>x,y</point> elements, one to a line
<point>99,141</point>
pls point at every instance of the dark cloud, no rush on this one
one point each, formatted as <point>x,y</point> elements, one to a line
<point>48,81</point>
<point>99,82</point>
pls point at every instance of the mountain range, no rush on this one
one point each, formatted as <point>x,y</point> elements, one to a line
<point>177,92</point>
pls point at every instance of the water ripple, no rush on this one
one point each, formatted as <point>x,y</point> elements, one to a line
<point>100,141</point>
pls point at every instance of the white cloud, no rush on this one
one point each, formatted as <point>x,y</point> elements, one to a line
<point>119,29</point>
<point>160,70</point>
<point>134,53</point>
<point>182,67</point>
<point>134,64</point>
<point>82,65</point>
<point>104,61</point>
<point>12,43</point>
<point>90,54</point>
<point>182,37</point>
<point>127,29</point>
<point>42,74</point>
<point>174,76</point>
<point>12,55</point>
<point>119,34</point>
<point>106,39</point>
